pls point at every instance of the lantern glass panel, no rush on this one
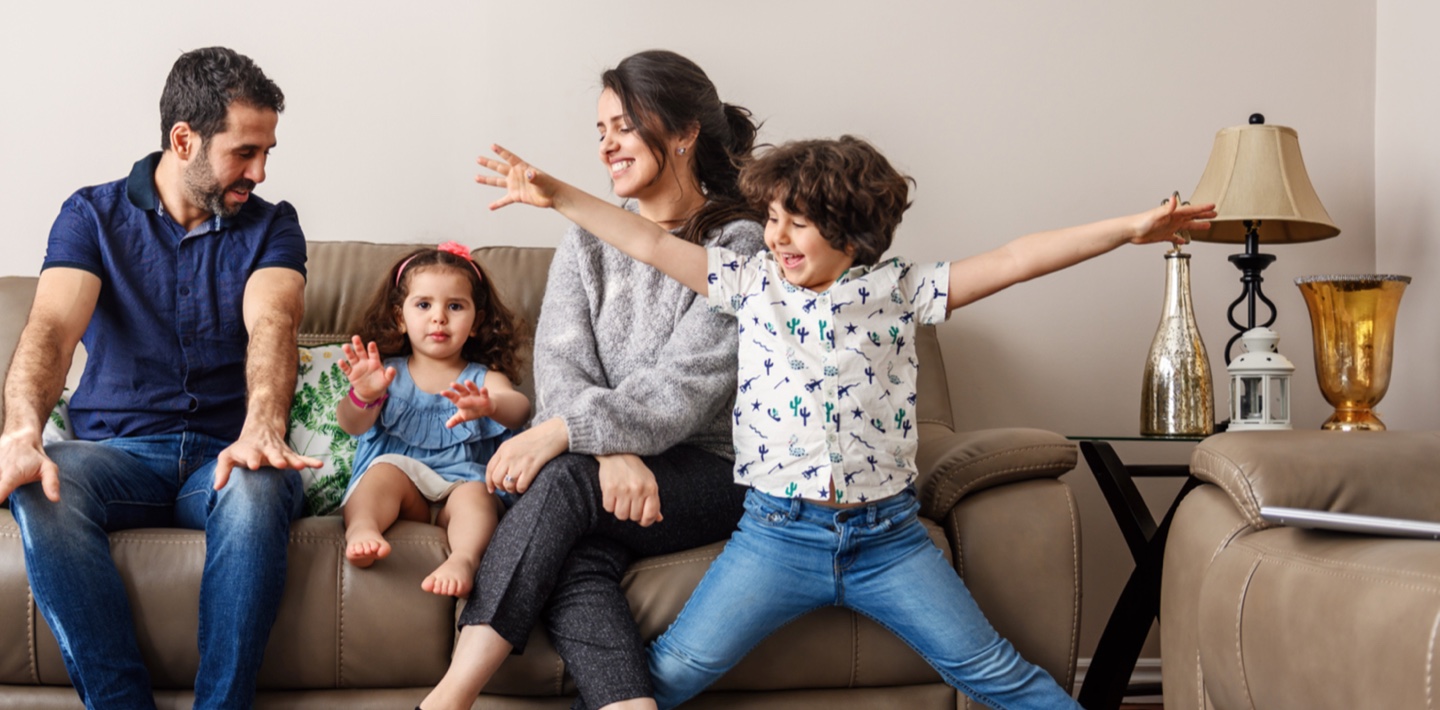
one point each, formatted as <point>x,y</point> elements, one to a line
<point>1250,394</point>
<point>1279,399</point>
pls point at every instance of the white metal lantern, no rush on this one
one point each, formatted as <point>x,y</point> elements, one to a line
<point>1260,384</point>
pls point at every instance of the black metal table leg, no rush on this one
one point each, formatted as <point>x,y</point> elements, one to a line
<point>1108,678</point>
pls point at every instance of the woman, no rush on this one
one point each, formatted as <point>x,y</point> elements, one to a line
<point>630,454</point>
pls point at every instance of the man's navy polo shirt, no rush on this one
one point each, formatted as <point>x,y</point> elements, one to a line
<point>167,341</point>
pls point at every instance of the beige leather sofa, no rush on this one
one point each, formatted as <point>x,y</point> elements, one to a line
<point>371,638</point>
<point>1255,615</point>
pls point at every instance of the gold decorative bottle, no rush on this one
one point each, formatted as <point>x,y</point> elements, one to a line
<point>1177,397</point>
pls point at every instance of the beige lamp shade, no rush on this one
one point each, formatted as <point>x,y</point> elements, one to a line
<point>1256,173</point>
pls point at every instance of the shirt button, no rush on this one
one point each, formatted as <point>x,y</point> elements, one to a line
<point>186,342</point>
<point>194,404</point>
<point>184,290</point>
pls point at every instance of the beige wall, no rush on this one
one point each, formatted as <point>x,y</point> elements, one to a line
<point>1013,117</point>
<point>1407,201</point>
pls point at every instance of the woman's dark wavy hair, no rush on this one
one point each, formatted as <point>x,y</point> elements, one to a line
<point>845,187</point>
<point>665,94</point>
<point>204,82</point>
<point>496,342</point>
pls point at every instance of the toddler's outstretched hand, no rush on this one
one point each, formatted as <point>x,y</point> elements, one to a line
<point>522,181</point>
<point>471,402</point>
<point>1167,222</point>
<point>367,372</point>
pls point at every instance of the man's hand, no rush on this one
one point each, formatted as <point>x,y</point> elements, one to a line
<point>629,489</point>
<point>256,451</point>
<point>23,461</point>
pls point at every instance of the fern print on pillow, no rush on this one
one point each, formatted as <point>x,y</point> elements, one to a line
<point>313,430</point>
<point>57,425</point>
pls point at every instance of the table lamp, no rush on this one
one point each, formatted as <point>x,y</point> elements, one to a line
<point>1257,180</point>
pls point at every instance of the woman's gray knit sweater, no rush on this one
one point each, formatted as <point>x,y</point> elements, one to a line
<point>631,360</point>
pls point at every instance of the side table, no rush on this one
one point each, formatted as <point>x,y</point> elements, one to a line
<point>1107,681</point>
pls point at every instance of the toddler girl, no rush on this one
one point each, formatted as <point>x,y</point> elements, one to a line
<point>425,428</point>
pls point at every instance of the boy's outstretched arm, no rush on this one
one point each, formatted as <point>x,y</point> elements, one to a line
<point>1032,255</point>
<point>639,238</point>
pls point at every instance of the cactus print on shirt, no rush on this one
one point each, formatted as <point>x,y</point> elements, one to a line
<point>825,398</point>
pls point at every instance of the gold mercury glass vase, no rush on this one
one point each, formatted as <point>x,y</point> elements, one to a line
<point>1352,319</point>
<point>1177,397</point>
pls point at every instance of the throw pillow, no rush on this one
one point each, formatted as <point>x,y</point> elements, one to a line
<point>313,430</point>
<point>57,426</point>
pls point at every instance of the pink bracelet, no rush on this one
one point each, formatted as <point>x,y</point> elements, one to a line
<point>366,405</point>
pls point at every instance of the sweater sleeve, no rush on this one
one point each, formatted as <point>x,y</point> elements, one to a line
<point>566,362</point>
<point>690,384</point>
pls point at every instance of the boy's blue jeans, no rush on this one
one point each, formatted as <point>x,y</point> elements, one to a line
<point>157,481</point>
<point>790,557</point>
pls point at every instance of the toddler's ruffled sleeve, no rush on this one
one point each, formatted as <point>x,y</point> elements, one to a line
<point>425,427</point>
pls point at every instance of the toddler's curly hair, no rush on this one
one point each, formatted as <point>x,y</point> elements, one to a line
<point>498,334</point>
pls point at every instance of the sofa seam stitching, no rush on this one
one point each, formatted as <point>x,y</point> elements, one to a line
<point>30,651</point>
<point>1239,617</point>
<point>340,621</point>
<point>1075,582</point>
<point>1246,495</point>
<point>944,487</point>
<point>1333,568</point>
<point>1430,665</point>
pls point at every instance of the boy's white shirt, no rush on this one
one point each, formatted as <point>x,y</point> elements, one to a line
<point>826,388</point>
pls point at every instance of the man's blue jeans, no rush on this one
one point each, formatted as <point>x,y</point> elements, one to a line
<point>157,481</point>
<point>790,557</point>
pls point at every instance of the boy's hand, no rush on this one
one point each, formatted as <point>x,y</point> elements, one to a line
<point>471,402</point>
<point>522,182</point>
<point>367,373</point>
<point>1167,222</point>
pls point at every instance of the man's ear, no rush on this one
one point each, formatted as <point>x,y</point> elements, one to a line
<point>185,142</point>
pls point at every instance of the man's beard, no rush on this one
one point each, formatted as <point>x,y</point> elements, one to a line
<point>205,191</point>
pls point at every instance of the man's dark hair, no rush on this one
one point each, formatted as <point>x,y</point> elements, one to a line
<point>202,85</point>
<point>845,187</point>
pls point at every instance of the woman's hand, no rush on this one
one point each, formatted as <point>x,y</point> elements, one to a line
<point>367,373</point>
<point>629,489</point>
<point>471,402</point>
<point>1170,221</point>
<point>522,182</point>
<point>518,460</point>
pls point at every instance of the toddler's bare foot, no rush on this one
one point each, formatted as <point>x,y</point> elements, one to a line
<point>453,578</point>
<point>363,547</point>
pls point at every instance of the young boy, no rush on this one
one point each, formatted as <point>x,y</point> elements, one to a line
<point>824,414</point>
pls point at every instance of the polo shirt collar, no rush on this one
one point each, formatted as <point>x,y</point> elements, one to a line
<point>140,186</point>
<point>140,189</point>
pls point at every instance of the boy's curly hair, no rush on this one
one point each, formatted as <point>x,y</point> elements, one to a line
<point>496,343</point>
<point>845,187</point>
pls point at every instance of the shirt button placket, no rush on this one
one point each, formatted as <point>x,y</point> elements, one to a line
<point>832,365</point>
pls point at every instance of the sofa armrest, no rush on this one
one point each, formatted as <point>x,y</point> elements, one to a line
<point>955,464</point>
<point>1385,473</point>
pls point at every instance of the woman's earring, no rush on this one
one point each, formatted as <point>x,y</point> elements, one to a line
<point>680,150</point>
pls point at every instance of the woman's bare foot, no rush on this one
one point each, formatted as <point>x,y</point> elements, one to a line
<point>364,547</point>
<point>453,578</point>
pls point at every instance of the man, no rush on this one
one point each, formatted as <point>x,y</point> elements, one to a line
<point>187,291</point>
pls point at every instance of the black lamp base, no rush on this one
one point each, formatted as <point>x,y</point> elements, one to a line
<point>1250,263</point>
